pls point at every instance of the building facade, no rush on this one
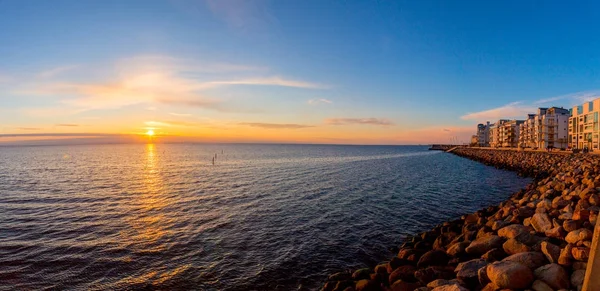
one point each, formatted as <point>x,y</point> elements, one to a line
<point>548,128</point>
<point>583,126</point>
<point>509,133</point>
<point>495,133</point>
<point>483,134</point>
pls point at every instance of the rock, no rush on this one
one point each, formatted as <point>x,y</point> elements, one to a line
<point>405,253</point>
<point>579,235</point>
<point>433,258</point>
<point>403,286</point>
<point>512,246</point>
<point>360,274</point>
<point>532,260</point>
<point>580,253</point>
<point>551,251</point>
<point>509,275</point>
<point>366,285</point>
<point>482,245</point>
<point>565,258</point>
<point>556,232</point>
<point>429,274</point>
<point>554,275</point>
<point>458,249</point>
<point>577,278</point>
<point>450,288</point>
<point>582,214</point>
<point>490,287</point>
<point>499,224</point>
<point>396,262</point>
<point>512,231</point>
<point>438,283</point>
<point>540,286</point>
<point>541,222</point>
<point>467,272</point>
<point>381,268</point>
<point>580,266</point>
<point>340,276</point>
<point>494,255</point>
<point>482,276</point>
<point>404,273</point>
<point>471,218</point>
<point>570,225</point>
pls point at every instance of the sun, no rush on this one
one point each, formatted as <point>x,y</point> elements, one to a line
<point>150,132</point>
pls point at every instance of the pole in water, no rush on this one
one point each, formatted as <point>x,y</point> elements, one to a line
<point>213,160</point>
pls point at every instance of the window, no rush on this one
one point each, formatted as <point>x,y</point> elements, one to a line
<point>580,109</point>
<point>595,116</point>
<point>591,106</point>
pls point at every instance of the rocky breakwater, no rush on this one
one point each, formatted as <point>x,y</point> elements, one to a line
<point>539,239</point>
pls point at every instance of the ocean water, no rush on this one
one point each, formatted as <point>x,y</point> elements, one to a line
<point>263,217</point>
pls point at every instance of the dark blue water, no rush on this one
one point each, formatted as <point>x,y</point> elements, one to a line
<point>263,217</point>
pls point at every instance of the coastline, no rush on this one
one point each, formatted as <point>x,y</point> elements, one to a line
<point>539,238</point>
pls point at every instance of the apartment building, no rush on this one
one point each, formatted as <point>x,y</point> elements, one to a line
<point>494,133</point>
<point>547,128</point>
<point>583,126</point>
<point>509,133</point>
<point>483,134</point>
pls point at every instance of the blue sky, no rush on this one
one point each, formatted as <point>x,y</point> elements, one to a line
<point>291,71</point>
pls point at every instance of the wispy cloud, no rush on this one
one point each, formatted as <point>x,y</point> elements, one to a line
<point>242,15</point>
<point>152,80</point>
<point>180,114</point>
<point>28,128</point>
<point>365,121</point>
<point>67,125</point>
<point>168,123</point>
<point>571,99</point>
<point>511,110</point>
<point>276,125</point>
<point>56,71</point>
<point>319,101</point>
<point>82,134</point>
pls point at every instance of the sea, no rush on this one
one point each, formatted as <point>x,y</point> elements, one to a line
<point>222,216</point>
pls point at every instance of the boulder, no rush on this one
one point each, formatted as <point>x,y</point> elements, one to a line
<point>512,231</point>
<point>532,260</point>
<point>403,286</point>
<point>577,278</point>
<point>509,275</point>
<point>494,255</point>
<point>433,258</point>
<point>482,245</point>
<point>579,266</point>
<point>432,273</point>
<point>405,273</point>
<point>366,285</point>
<point>467,272</point>
<point>551,251</point>
<point>554,275</point>
<point>579,235</point>
<point>512,246</point>
<point>457,249</point>
<point>565,258</point>
<point>360,274</point>
<point>540,286</point>
<point>556,232</point>
<point>581,253</point>
<point>570,225</point>
<point>450,288</point>
<point>541,222</point>
<point>438,283</point>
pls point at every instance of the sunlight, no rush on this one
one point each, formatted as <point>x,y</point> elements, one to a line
<point>150,132</point>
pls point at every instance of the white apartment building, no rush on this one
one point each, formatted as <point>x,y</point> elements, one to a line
<point>583,126</point>
<point>547,128</point>
<point>483,134</point>
<point>509,133</point>
<point>494,133</point>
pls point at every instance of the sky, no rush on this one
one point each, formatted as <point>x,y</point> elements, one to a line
<point>310,71</point>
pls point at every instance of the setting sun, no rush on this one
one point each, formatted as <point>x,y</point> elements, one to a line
<point>150,132</point>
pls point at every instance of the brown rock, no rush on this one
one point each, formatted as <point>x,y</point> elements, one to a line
<point>582,214</point>
<point>457,249</point>
<point>366,285</point>
<point>509,275</point>
<point>467,272</point>
<point>581,253</point>
<point>570,225</point>
<point>450,288</point>
<point>433,258</point>
<point>580,266</point>
<point>577,278</point>
<point>405,273</point>
<point>541,222</point>
<point>512,246</point>
<point>482,245</point>
<point>438,283</point>
<point>554,275</point>
<point>403,286</point>
<point>494,255</point>
<point>540,286</point>
<point>360,274</point>
<point>512,231</point>
<point>490,287</point>
<point>532,260</point>
<point>551,251</point>
<point>565,258</point>
<point>579,235</point>
<point>556,232</point>
<point>432,273</point>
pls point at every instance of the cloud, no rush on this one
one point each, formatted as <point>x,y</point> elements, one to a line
<point>242,15</point>
<point>365,121</point>
<point>154,80</point>
<point>28,128</point>
<point>82,134</point>
<point>276,125</point>
<point>180,114</point>
<point>67,125</point>
<point>319,101</point>
<point>436,134</point>
<point>56,71</point>
<point>511,110</point>
<point>169,123</point>
<point>572,99</point>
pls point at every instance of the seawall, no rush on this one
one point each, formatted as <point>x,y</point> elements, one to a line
<point>538,239</point>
